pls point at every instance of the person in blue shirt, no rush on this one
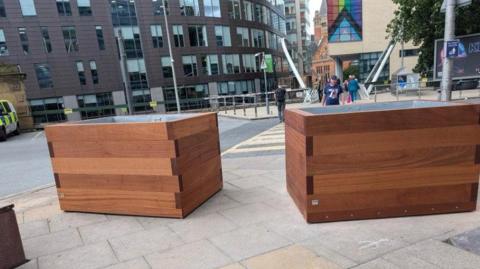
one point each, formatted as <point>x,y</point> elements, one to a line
<point>331,93</point>
<point>353,88</point>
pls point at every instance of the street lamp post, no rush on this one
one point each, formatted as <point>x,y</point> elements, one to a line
<point>264,67</point>
<point>124,67</point>
<point>177,99</point>
<point>448,63</point>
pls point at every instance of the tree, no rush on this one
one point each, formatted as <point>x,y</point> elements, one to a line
<point>422,22</point>
<point>351,70</point>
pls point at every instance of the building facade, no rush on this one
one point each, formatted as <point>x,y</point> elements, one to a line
<point>297,15</point>
<point>323,66</point>
<point>82,56</point>
<point>357,34</point>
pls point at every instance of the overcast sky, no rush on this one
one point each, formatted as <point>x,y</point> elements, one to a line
<point>314,5</point>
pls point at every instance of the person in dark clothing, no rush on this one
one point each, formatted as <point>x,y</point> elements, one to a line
<point>319,91</point>
<point>280,94</point>
<point>331,93</point>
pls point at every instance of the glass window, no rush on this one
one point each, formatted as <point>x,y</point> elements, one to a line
<point>137,74</point>
<point>236,87</point>
<point>100,38</point>
<point>191,97</point>
<point>28,7</point>
<point>81,73</point>
<point>96,105</point>
<point>258,38</point>
<point>259,13</point>
<point>47,44</point>
<point>249,63</point>
<point>167,67</point>
<point>94,72</point>
<point>243,36</point>
<point>131,42</point>
<point>231,63</point>
<point>210,64</point>
<point>84,7</point>
<point>222,35</point>
<point>64,8</point>
<point>248,10</point>
<point>158,7</point>
<point>157,36</point>
<point>22,33</point>
<point>44,76</point>
<point>190,66</point>
<point>123,13</point>
<point>234,9</point>
<point>141,100</point>
<point>2,9</point>
<point>70,38</point>
<point>212,8</point>
<point>47,110</point>
<point>3,44</point>
<point>189,8</point>
<point>178,35</point>
<point>197,35</point>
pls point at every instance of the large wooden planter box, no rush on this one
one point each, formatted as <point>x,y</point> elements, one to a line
<point>383,160</point>
<point>159,165</point>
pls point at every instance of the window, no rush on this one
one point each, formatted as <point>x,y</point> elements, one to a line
<point>94,72</point>
<point>234,9</point>
<point>258,37</point>
<point>123,13</point>
<point>222,35</point>
<point>157,36</point>
<point>100,38</point>
<point>243,36</point>
<point>96,105</point>
<point>141,100</point>
<point>22,33</point>
<point>248,10</point>
<point>236,87</point>
<point>137,74</point>
<point>64,8</point>
<point>47,110</point>
<point>212,8</point>
<point>28,8</point>
<point>84,8</point>
<point>190,66</point>
<point>367,62</point>
<point>3,44</point>
<point>2,9</point>
<point>191,97</point>
<point>197,35</point>
<point>249,63</point>
<point>70,38</point>
<point>44,76</point>
<point>259,13</point>
<point>210,64</point>
<point>178,36</point>
<point>47,44</point>
<point>189,8</point>
<point>158,7</point>
<point>167,67</point>
<point>231,63</point>
<point>409,52</point>
<point>81,73</point>
<point>131,41</point>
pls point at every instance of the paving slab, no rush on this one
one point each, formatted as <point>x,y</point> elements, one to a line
<point>200,226</point>
<point>33,228</point>
<point>322,251</point>
<point>249,241</point>
<point>252,195</point>
<point>403,260</point>
<point>251,213</point>
<point>87,257</point>
<point>109,229</point>
<point>51,243</point>
<point>155,222</point>
<point>141,243</point>
<point>234,266</point>
<point>293,227</point>
<point>378,264</point>
<point>198,255</point>
<point>43,212</point>
<point>469,241</point>
<point>216,203</point>
<point>252,182</point>
<point>138,263</point>
<point>32,264</point>
<point>68,220</point>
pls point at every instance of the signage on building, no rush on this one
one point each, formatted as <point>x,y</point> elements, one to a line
<point>68,111</point>
<point>269,63</point>
<point>465,53</point>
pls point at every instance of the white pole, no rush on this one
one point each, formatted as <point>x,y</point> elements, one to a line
<point>124,68</point>
<point>448,63</point>
<point>177,99</point>
<point>266,83</point>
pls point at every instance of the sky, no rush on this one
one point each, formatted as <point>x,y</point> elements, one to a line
<point>314,5</point>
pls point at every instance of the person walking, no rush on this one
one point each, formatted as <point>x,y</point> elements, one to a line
<point>319,90</point>
<point>345,97</point>
<point>332,92</point>
<point>280,99</point>
<point>353,88</point>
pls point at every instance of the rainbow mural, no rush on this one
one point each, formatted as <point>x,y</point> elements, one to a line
<point>344,20</point>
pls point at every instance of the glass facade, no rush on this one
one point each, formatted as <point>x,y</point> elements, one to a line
<point>47,110</point>
<point>96,105</point>
<point>367,62</point>
<point>191,97</point>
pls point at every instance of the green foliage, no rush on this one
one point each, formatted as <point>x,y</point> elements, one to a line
<point>351,70</point>
<point>423,23</point>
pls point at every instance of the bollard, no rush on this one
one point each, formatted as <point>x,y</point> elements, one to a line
<point>375,94</point>
<point>11,248</point>
<point>225,104</point>
<point>234,110</point>
<point>255,105</point>
<point>244,109</point>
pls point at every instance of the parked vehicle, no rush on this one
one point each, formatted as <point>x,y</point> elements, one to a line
<point>9,123</point>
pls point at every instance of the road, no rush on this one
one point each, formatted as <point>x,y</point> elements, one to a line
<point>25,162</point>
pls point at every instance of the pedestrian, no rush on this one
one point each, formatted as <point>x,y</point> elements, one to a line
<point>353,88</point>
<point>332,92</point>
<point>345,96</point>
<point>280,99</point>
<point>319,90</point>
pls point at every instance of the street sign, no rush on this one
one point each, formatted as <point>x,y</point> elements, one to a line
<point>452,49</point>
<point>269,63</point>
<point>460,3</point>
<point>68,111</point>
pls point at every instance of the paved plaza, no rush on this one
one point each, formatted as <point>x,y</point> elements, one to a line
<point>251,223</point>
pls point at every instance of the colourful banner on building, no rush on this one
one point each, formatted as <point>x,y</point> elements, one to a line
<point>344,20</point>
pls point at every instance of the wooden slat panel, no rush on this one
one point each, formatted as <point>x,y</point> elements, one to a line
<point>203,189</point>
<point>390,198</point>
<point>405,158</point>
<point>119,202</point>
<point>117,149</point>
<point>195,174</point>
<point>197,155</point>
<point>190,126</point>
<point>198,142</point>
<point>107,132</point>
<point>120,182</point>
<point>379,121</point>
<point>113,166</point>
<point>295,119</point>
<point>395,178</point>
<point>396,140</point>
<point>298,198</point>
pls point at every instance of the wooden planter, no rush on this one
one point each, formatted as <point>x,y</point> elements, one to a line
<point>159,165</point>
<point>383,160</point>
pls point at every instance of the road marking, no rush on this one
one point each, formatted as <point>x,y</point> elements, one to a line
<point>37,135</point>
<point>271,140</point>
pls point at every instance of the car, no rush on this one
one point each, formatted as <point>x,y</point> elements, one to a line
<point>9,123</point>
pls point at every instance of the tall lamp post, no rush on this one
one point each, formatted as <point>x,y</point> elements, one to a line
<point>264,67</point>
<point>448,36</point>
<point>177,99</point>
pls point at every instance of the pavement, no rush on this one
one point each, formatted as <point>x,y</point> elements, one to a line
<point>251,223</point>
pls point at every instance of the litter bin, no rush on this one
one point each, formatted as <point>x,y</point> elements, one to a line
<point>11,248</point>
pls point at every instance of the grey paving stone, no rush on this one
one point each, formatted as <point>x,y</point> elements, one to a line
<point>154,222</point>
<point>252,182</point>
<point>198,255</point>
<point>247,173</point>
<point>109,229</point>
<point>216,203</point>
<point>251,213</point>
<point>322,251</point>
<point>197,227</point>
<point>378,264</point>
<point>249,241</point>
<point>404,260</point>
<point>141,243</point>
<point>34,228</point>
<point>72,220</point>
<point>87,257</point>
<point>32,264</point>
<point>51,243</point>
<point>469,241</point>
<point>283,203</point>
<point>293,227</point>
<point>138,263</point>
<point>252,195</point>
